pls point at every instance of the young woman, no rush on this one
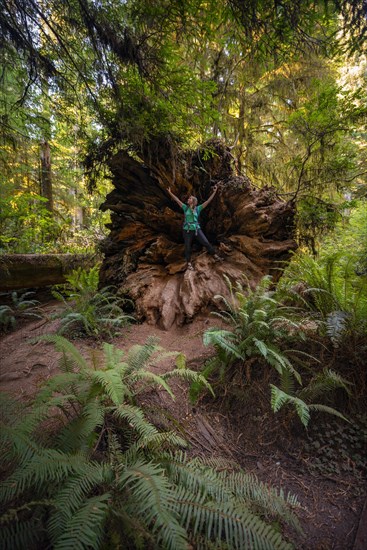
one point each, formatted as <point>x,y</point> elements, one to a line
<point>191,226</point>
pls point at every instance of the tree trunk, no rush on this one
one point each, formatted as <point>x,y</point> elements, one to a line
<point>144,254</point>
<point>46,178</point>
<point>39,270</point>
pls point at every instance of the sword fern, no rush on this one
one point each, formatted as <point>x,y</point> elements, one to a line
<point>104,476</point>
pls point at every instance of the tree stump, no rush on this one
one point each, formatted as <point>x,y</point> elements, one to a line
<point>251,228</point>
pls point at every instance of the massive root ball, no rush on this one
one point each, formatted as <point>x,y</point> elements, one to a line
<point>144,254</point>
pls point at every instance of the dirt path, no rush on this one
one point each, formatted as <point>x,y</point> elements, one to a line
<point>24,363</point>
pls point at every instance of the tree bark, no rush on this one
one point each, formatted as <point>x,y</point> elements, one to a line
<point>38,270</point>
<point>251,229</point>
<point>46,176</point>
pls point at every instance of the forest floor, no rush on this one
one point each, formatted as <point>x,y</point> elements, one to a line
<point>330,486</point>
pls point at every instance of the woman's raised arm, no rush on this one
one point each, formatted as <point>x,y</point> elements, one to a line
<point>180,203</point>
<point>215,189</point>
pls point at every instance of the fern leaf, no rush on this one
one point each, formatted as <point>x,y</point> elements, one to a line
<point>239,527</point>
<point>154,443</point>
<point>261,346</point>
<point>85,528</point>
<point>139,355</point>
<point>47,466</point>
<point>152,378</point>
<point>63,345</point>
<point>270,500</point>
<point>151,494</point>
<point>190,376</point>
<point>280,398</point>
<point>282,362</point>
<point>21,534</point>
<point>195,476</point>
<point>72,495</point>
<point>330,410</point>
<point>223,339</point>
<point>135,417</point>
<point>110,381</point>
<point>112,356</point>
<point>80,433</point>
<point>325,382</point>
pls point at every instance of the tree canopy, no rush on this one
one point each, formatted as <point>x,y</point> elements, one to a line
<point>272,79</point>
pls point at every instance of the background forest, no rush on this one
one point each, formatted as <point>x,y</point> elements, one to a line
<point>283,84</point>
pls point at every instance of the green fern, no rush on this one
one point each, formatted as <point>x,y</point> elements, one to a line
<point>331,288</point>
<point>260,328</point>
<point>279,398</point>
<point>105,476</point>
<point>21,307</point>
<point>89,310</point>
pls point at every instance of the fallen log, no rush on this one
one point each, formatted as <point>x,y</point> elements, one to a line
<point>39,270</point>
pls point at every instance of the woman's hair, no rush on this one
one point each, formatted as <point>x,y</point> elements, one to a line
<point>195,200</point>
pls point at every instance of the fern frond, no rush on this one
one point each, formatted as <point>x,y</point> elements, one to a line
<point>21,534</point>
<point>80,433</point>
<point>151,494</point>
<point>224,339</point>
<point>154,444</point>
<point>280,362</point>
<point>152,378</point>
<point>135,417</point>
<point>63,345</point>
<point>111,383</point>
<point>190,376</point>
<point>68,382</point>
<point>237,526</point>
<point>85,528</point>
<point>195,476</point>
<point>329,410</point>
<point>139,355</point>
<point>72,494</point>
<point>280,398</point>
<point>270,500</point>
<point>46,466</point>
<point>336,325</point>
<point>324,382</point>
<point>287,382</point>
<point>112,356</point>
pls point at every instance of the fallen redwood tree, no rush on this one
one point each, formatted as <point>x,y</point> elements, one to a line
<point>39,270</point>
<point>251,228</point>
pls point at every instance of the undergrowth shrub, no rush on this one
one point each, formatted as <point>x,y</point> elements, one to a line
<point>83,468</point>
<point>89,311</point>
<point>265,332</point>
<point>329,287</point>
<point>22,306</point>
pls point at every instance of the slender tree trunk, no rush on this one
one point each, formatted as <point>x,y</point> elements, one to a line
<point>241,131</point>
<point>46,177</point>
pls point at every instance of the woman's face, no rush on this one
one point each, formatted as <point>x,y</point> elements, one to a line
<point>191,201</point>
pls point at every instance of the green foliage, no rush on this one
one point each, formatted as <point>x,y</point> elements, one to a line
<point>321,384</point>
<point>125,74</point>
<point>21,307</point>
<point>25,223</point>
<point>7,318</point>
<point>102,475</point>
<point>261,326</point>
<point>262,329</point>
<point>89,311</point>
<point>344,451</point>
<point>330,287</point>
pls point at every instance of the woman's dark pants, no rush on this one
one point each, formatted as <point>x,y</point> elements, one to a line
<point>199,235</point>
